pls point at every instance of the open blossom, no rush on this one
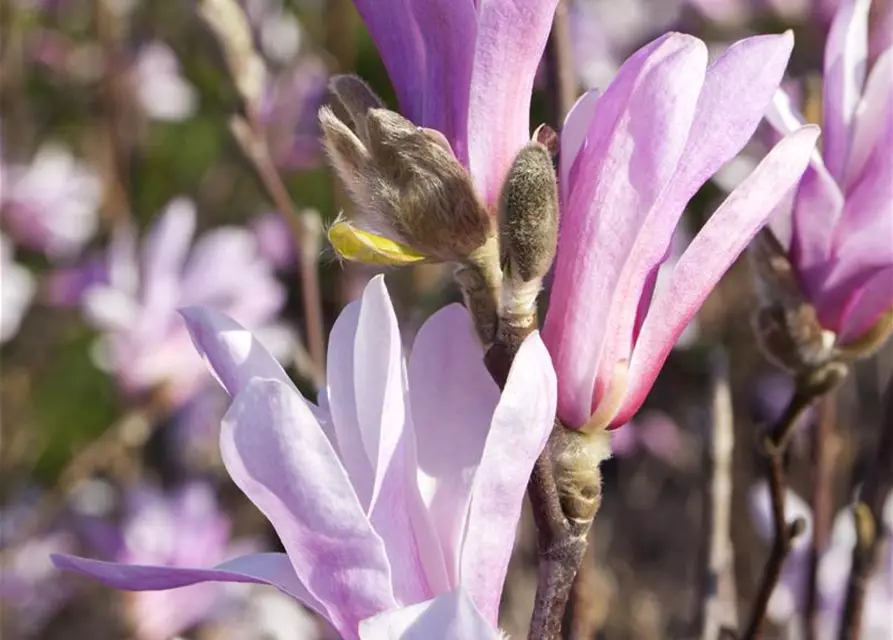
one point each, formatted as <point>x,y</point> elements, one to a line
<point>631,158</point>
<point>16,292</point>
<point>790,595</point>
<point>465,69</point>
<point>133,293</point>
<point>397,496</point>
<point>51,205</point>
<point>162,92</point>
<point>841,243</point>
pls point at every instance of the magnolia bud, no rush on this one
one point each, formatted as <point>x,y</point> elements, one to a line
<point>407,185</point>
<point>357,99</point>
<point>786,324</point>
<point>577,457</point>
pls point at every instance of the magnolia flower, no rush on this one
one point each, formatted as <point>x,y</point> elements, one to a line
<point>133,298</point>
<point>631,158</point>
<point>789,597</point>
<point>182,528</point>
<point>161,90</point>
<point>403,485</point>
<point>465,69</point>
<point>52,204</point>
<point>15,294</point>
<point>841,244</point>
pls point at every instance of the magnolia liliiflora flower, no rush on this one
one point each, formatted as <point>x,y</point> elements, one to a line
<point>631,158</point>
<point>837,269</point>
<point>397,496</point>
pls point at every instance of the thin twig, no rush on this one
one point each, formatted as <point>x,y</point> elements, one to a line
<point>250,136</point>
<point>822,467</point>
<point>718,599</point>
<point>562,79</point>
<point>775,446</point>
<point>868,514</point>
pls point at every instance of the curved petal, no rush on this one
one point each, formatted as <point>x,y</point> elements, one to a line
<point>276,453</point>
<point>511,36</point>
<point>232,353</point>
<point>343,404</point>
<point>386,430</point>
<point>872,301</point>
<point>521,425</point>
<point>875,108</point>
<point>573,137</point>
<point>818,207</point>
<point>712,251</point>
<point>845,61</point>
<point>737,88</point>
<point>632,149</point>
<point>273,569</point>
<point>453,398</point>
<point>451,616</point>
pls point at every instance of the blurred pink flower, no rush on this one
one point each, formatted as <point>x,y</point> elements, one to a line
<point>16,292</point>
<point>134,296</point>
<point>466,69</point>
<point>51,205</point>
<point>789,597</point>
<point>161,90</point>
<point>631,159</point>
<point>842,228</point>
<point>402,485</point>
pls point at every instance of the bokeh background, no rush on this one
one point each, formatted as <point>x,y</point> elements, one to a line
<point>127,191</point>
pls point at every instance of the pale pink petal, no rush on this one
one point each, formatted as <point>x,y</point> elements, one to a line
<point>874,110</point>
<point>451,616</point>
<point>737,89</point>
<point>783,115</point>
<point>845,61</point>
<point>632,149</point>
<point>232,353</point>
<point>343,404</point>
<point>386,432</point>
<point>712,251</point>
<point>817,209</point>
<point>452,397</point>
<point>279,457</point>
<point>573,136</point>
<point>273,569</point>
<point>164,254</point>
<point>873,300</point>
<point>519,430</point>
<point>511,36</point>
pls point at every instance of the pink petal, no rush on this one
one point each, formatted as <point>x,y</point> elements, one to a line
<point>573,137</point>
<point>453,398</point>
<point>273,569</point>
<point>519,430</point>
<point>341,395</point>
<point>511,36</point>
<point>845,61</point>
<point>164,254</point>
<point>451,616</point>
<point>279,457</point>
<point>737,89</point>
<point>867,306</point>
<point>402,49</point>
<point>386,432</point>
<point>712,251</point>
<point>232,353</point>
<point>874,110</point>
<point>631,151</point>
<point>817,210</point>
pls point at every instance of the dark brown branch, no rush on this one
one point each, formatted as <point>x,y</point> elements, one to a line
<point>868,514</point>
<point>822,468</point>
<point>784,532</point>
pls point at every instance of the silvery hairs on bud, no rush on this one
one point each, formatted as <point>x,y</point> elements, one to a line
<point>405,183</point>
<point>357,99</point>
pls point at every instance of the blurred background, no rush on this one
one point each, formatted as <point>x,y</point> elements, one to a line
<point>141,172</point>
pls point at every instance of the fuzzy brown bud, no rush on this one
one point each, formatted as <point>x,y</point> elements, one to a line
<point>357,98</point>
<point>577,459</point>
<point>786,324</point>
<point>407,185</point>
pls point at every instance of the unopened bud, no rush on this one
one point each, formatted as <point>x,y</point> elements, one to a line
<point>407,185</point>
<point>357,99</point>
<point>230,25</point>
<point>577,457</point>
<point>786,324</point>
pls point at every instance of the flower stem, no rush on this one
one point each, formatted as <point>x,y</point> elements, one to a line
<point>868,515</point>
<point>561,81</point>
